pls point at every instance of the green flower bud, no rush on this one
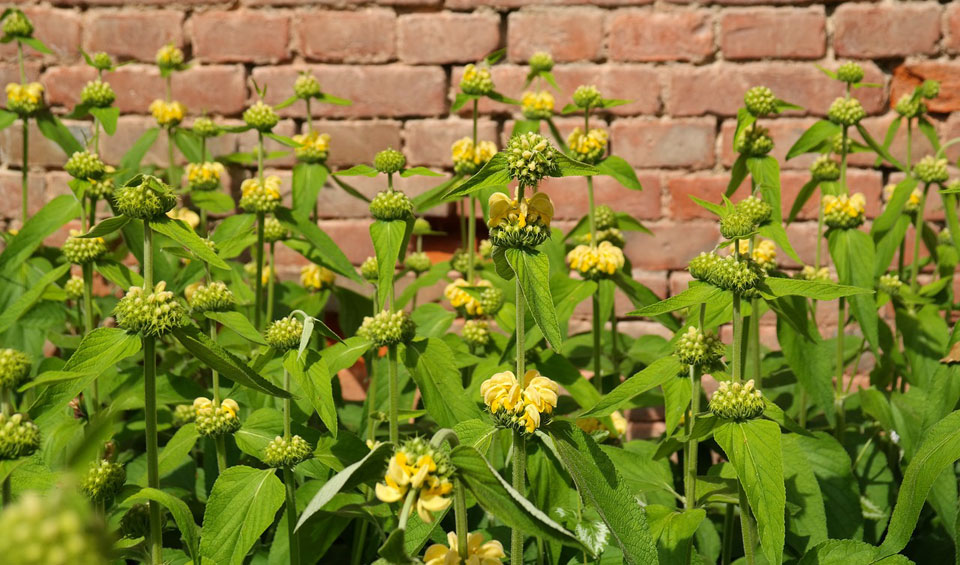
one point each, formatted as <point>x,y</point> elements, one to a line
<point>257,196</point>
<point>587,96</point>
<point>850,73</point>
<point>837,144</point>
<point>491,300</point>
<point>843,212</point>
<point>540,62</point>
<point>306,86</point>
<point>476,81</point>
<point>931,170</point>
<point>417,262</point>
<point>513,236</point>
<point>83,250</point>
<point>205,127</point>
<point>56,529</point>
<point>930,89</point>
<point>101,189</point>
<point>825,169</point>
<point>753,141</point>
<point>944,238</point>
<point>145,197</point>
<point>14,368</point>
<point>103,481</point>
<point>261,117</point>
<point>284,333</point>
<point>756,210</point>
<point>760,101</point>
<point>389,161</point>
<point>698,348</point>
<point>184,414</point>
<point>846,111</point>
<point>74,288</point>
<point>737,225</point>
<point>136,522</point>
<point>212,297</point>
<point>486,249</point>
<point>530,157</point>
<point>388,328</point>
<point>215,421</point>
<point>19,437</point>
<point>703,266</point>
<point>605,217</point>
<point>810,273</point>
<point>370,270</point>
<point>890,284</point>
<point>460,261</point>
<point>169,58</point>
<point>25,99</point>
<point>738,276</point>
<point>390,205</point>
<point>16,25</point>
<point>476,333</point>
<point>287,452</point>
<point>737,401</point>
<point>97,94</point>
<point>152,314</point>
<point>589,147</point>
<point>101,61</point>
<point>85,165</point>
<point>910,106</point>
<point>273,230</point>
<point>421,227</point>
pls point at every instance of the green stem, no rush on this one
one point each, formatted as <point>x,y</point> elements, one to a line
<point>290,486</point>
<point>460,517</point>
<point>23,71</point>
<point>394,395</point>
<point>597,372</point>
<point>219,441</point>
<point>592,213</point>
<point>843,162</point>
<point>519,484</point>
<point>258,283</point>
<point>917,237</point>
<point>260,156</point>
<point>170,157</point>
<point>271,282</point>
<point>287,403</point>
<point>150,404</point>
<point>909,163</point>
<point>727,552</point>
<point>616,348</point>
<point>746,527</point>
<point>471,238</point>
<point>407,507</point>
<point>839,400</point>
<point>24,185</point>
<point>88,325</point>
<point>309,116</point>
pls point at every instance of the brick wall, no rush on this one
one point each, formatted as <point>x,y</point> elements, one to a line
<point>685,66</point>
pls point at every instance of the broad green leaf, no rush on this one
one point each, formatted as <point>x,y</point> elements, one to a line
<point>881,151</point>
<point>433,320</point>
<point>437,271</point>
<point>674,531</point>
<point>107,227</point>
<point>813,137</point>
<point>282,139</point>
<point>308,180</point>
<point>841,494</point>
<point>313,376</point>
<point>331,253</point>
<point>818,290</point>
<point>495,173</point>
<point>108,117</point>
<point>7,118</point>
<point>238,323</point>
<point>36,44</point>
<point>130,164</point>
<point>695,295</point>
<point>533,272</point>
<point>358,170</point>
<point>478,433</point>
<point>737,174</point>
<point>854,255</point>
<point>213,201</point>
<point>343,355</point>
<point>806,191</point>
<point>435,196</point>
<point>54,215</point>
<point>53,129</point>
<point>568,167</point>
<point>461,99</point>
<point>641,296</point>
<point>602,487</point>
<point>258,430</point>
<point>810,358</point>
<point>185,236</point>
<point>13,312</point>
<point>181,515</point>
<point>654,375</point>
<point>419,172</point>
<point>172,455</point>
<point>241,507</point>
<point>118,273</point>
<point>753,447</point>
<point>389,244</point>
<point>620,170</point>
<point>849,552</point>
<point>807,525</point>
<point>431,363</point>
<point>894,208</point>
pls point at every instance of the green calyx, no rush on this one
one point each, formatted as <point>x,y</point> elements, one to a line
<point>85,165</point>
<point>83,250</point>
<point>737,401</point>
<point>211,297</point>
<point>760,101</point>
<point>530,158</point>
<point>14,368</point>
<point>754,141</point>
<point>850,73</point>
<point>306,86</point>
<point>417,262</point>
<point>931,170</point>
<point>388,328</point>
<point>476,333</point>
<point>283,452</point>
<point>389,161</point>
<point>284,334</point>
<point>19,437</point>
<point>825,169</point>
<point>103,481</point>
<point>846,111</point>
<point>97,94</point>
<point>698,348</point>
<point>149,314</point>
<point>145,197</point>
<point>261,117</point>
<point>390,205</point>
<point>587,96</point>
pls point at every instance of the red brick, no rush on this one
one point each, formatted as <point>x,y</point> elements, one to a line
<point>364,36</point>
<point>11,72</point>
<point>886,30</point>
<point>784,131</point>
<point>908,76</point>
<point>57,29</point>
<point>42,151</point>
<point>950,129</point>
<point>782,33</point>
<point>503,4</point>
<point>509,81</point>
<point>705,186</point>
<point>245,36</point>
<point>11,199</point>
<point>427,142</point>
<point>336,203</point>
<point>447,37</point>
<point>570,199</point>
<point>672,245</point>
<point>642,35</point>
<point>132,34</point>
<point>353,142</point>
<point>376,90</point>
<point>570,34</point>
<point>665,143</point>
<point>638,83</point>
<point>356,231</point>
<point>719,88</point>
<point>952,20</point>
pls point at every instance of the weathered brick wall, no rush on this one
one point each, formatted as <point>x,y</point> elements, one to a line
<point>685,66</point>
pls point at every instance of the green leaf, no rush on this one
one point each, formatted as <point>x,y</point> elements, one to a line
<point>389,244</point>
<point>818,290</point>
<point>13,312</point>
<point>313,376</point>
<point>841,493</point>
<point>328,250</point>
<point>118,273</point>
<point>737,173</point>
<point>929,131</point>
<point>854,255</point>
<point>533,272</point>
<point>358,170</point>
<point>654,375</point>
<point>893,211</point>
<point>7,118</point>
<point>437,271</point>
<point>494,174</point>
<point>806,191</point>
<point>48,220</point>
<point>882,152</point>
<point>335,100</point>
<point>674,531</point>
<point>108,117</point>
<point>461,99</point>
<point>809,356</point>
<point>242,505</point>
<point>693,296</point>
<point>343,355</point>
<point>348,189</point>
<point>753,447</point>
<point>282,139</point>
<point>238,323</point>
<point>107,227</point>
<point>620,170</point>
<point>213,201</point>
<point>641,296</point>
<point>53,129</point>
<point>521,127</point>
<point>258,430</point>
<point>182,234</point>
<point>308,180</point>
<point>431,363</point>
<point>173,455</point>
<point>130,164</point>
<point>807,526</point>
<point>419,171</point>
<point>717,209</point>
<point>497,497</point>
<point>181,515</point>
<point>601,486</point>
<point>568,167</point>
<point>224,362</point>
<point>36,44</point>
<point>849,552</point>
<point>433,320</point>
<point>435,196</point>
<point>813,137</point>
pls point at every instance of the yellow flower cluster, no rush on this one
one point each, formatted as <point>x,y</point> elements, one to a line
<point>24,99</point>
<point>260,197</point>
<point>590,146</point>
<point>764,252</point>
<point>468,159</point>
<point>167,114</point>
<point>537,105</point>
<point>460,298</point>
<point>408,470</point>
<point>315,277</point>
<point>313,147</point>
<point>478,553</point>
<point>204,176</point>
<point>913,202</point>
<point>844,211</point>
<point>169,57</point>
<point>536,209</point>
<point>186,215</point>
<point>520,405</point>
<point>596,261</point>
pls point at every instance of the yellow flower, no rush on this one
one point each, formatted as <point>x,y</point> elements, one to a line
<point>396,481</point>
<point>460,298</point>
<point>434,497</point>
<point>204,176</point>
<point>537,105</point>
<point>540,392</point>
<point>588,147</point>
<point>260,197</point>
<point>315,277</point>
<point>501,391</point>
<point>169,57</point>
<point>401,476</point>
<point>24,99</point>
<point>185,215</point>
<point>478,553</point>
<point>230,407</point>
<point>764,252</point>
<point>313,146</point>
<point>844,211</point>
<point>536,209</point>
<point>590,425</point>
<point>595,261</point>
<point>538,396</point>
<point>467,159</point>
<point>167,114</point>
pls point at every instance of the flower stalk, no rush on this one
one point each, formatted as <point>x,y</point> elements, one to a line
<point>519,441</point>
<point>150,405</point>
<point>289,480</point>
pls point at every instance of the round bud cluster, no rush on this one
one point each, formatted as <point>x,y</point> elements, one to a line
<point>486,249</point>
<point>313,147</point>
<point>215,421</point>
<point>204,127</point>
<point>825,169</point>
<point>101,61</point>
<point>147,200</point>
<point>537,105</point>
<point>605,217</point>
<point>838,146</point>
<point>261,117</point>
<point>698,348</point>
<point>844,212</point>
<point>737,401</point>
<point>476,81</point>
<point>491,300</point>
<point>370,270</point>
<point>103,188</point>
<point>306,87</point>
<point>388,328</point>
<point>19,437</point>
<point>169,58</point>
<point>421,227</point>
<point>727,272</point>
<point>736,225</point>
<point>389,161</point>
<point>811,273</point>
<point>890,284</point>
<point>74,288</point>
<point>315,277</point>
<point>83,250</point>
<point>850,73</point>
<point>460,261</point>
<point>58,529</point>
<point>756,210</point>
<point>944,238</point>
<point>754,141</point>
<point>25,99</point>
<point>273,230</point>
<point>17,25</point>
<point>151,314</point>
<point>910,106</point>
<point>103,481</point>
<point>85,165</point>
<point>14,368</point>
<point>204,176</point>
<point>282,452</point>
<point>256,196</point>
<point>530,157</point>
<point>184,414</point>
<point>846,111</point>
<point>515,236</point>
<point>588,147</point>
<point>703,266</point>
<point>931,170</point>
<point>390,205</point>
<point>760,101</point>
<point>167,114</point>
<point>97,94</point>
<point>587,96</point>
<point>211,297</point>
<point>541,62</point>
<point>418,262</point>
<point>284,333</point>
<point>595,262</point>
<point>468,159</point>
<point>476,333</point>
<point>136,522</point>
<point>930,89</point>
